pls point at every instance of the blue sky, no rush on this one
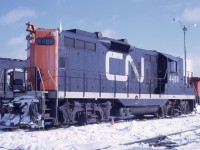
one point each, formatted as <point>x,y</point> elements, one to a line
<point>145,23</point>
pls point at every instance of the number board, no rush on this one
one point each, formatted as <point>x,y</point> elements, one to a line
<point>45,41</point>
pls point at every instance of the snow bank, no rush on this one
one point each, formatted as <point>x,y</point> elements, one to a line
<point>100,136</point>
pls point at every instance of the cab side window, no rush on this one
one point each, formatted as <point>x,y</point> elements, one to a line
<point>173,67</point>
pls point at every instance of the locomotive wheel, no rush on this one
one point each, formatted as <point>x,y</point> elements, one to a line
<point>82,119</point>
<point>187,108</point>
<point>160,113</point>
<point>127,111</point>
<point>172,112</point>
<point>100,117</point>
<point>184,108</point>
<point>122,112</point>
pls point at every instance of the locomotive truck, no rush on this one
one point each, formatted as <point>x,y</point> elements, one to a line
<point>78,77</point>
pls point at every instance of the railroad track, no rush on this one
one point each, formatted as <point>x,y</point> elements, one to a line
<point>160,141</point>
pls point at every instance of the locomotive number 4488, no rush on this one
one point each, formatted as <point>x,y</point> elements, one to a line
<point>174,78</point>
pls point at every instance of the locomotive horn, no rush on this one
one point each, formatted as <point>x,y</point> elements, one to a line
<point>30,27</point>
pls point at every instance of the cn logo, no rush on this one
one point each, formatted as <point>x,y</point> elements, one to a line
<point>128,60</point>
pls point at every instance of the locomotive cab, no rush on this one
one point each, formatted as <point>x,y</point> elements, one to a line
<point>170,76</point>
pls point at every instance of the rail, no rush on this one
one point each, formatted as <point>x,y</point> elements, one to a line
<point>1,83</point>
<point>38,70</point>
<point>97,84</point>
<point>118,87</point>
<point>82,81</point>
<point>158,141</point>
<point>188,77</point>
<point>52,76</point>
<point>1,76</point>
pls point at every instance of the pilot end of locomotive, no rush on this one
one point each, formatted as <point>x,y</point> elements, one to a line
<point>23,112</point>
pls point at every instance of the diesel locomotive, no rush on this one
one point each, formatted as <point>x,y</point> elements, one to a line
<point>78,77</point>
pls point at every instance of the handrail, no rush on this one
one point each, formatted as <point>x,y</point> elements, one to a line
<point>1,79</point>
<point>163,77</point>
<point>52,78</point>
<point>159,80</point>
<point>188,77</point>
<point>195,90</point>
<point>51,75</point>
<point>140,76</point>
<point>41,78</point>
<point>190,74</point>
<point>1,75</point>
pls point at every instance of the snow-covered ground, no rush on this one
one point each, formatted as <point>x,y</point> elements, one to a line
<point>107,136</point>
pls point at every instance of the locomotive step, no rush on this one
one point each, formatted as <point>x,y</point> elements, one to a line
<point>93,120</point>
<point>48,109</point>
<point>49,121</point>
<point>46,115</point>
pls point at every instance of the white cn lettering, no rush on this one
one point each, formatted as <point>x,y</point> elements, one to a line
<point>128,60</point>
